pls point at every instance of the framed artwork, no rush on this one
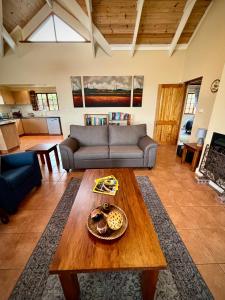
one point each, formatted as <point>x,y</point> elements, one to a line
<point>77,91</point>
<point>138,85</point>
<point>107,91</point>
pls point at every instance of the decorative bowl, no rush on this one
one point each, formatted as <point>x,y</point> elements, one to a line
<point>110,234</point>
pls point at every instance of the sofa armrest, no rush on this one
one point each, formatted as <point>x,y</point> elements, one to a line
<point>146,142</point>
<point>149,147</point>
<point>16,160</point>
<point>67,149</point>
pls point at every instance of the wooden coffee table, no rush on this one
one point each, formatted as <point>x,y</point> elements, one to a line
<point>80,252</point>
<point>43,150</point>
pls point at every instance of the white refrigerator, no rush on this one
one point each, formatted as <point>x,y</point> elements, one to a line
<point>54,126</point>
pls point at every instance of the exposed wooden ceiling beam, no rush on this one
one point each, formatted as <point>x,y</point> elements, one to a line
<point>187,11</point>
<point>5,35</point>
<point>70,20</point>
<point>89,10</point>
<point>9,40</point>
<point>50,3</point>
<point>1,45</point>
<point>200,23</point>
<point>37,19</point>
<point>1,29</point>
<point>74,8</point>
<point>140,4</point>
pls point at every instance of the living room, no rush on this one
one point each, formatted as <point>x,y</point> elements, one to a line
<point>163,47</point>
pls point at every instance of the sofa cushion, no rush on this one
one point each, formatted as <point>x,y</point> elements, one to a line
<point>16,177</point>
<point>126,135</point>
<point>128,151</point>
<point>92,152</point>
<point>90,135</point>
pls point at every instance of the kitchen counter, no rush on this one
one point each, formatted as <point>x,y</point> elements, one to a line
<point>9,139</point>
<point>38,117</point>
<point>7,122</point>
<point>26,125</point>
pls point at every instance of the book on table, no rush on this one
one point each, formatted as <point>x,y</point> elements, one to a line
<point>106,185</point>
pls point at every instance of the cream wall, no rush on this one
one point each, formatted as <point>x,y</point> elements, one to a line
<point>53,64</point>
<point>217,120</point>
<point>205,57</point>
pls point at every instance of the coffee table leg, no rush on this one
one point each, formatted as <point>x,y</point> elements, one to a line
<point>70,286</point>
<point>148,284</point>
<point>47,157</point>
<point>56,155</point>
<point>42,159</point>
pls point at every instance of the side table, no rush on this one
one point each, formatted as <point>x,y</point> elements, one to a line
<point>197,150</point>
<point>43,150</point>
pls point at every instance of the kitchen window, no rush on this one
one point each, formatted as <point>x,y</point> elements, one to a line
<point>47,101</point>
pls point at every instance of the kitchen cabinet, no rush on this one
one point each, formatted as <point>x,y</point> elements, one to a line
<point>9,138</point>
<point>35,126</point>
<point>19,127</point>
<point>42,125</point>
<point>14,97</point>
<point>21,97</point>
<point>6,96</point>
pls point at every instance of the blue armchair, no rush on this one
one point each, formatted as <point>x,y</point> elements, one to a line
<point>20,172</point>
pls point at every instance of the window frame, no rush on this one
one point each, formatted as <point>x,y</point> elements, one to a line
<point>47,101</point>
<point>190,105</point>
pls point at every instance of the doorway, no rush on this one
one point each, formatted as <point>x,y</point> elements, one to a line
<point>169,109</point>
<point>189,111</point>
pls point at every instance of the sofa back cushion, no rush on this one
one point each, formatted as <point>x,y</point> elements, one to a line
<point>90,135</point>
<point>126,135</point>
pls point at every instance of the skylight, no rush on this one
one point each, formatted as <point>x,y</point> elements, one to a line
<point>53,29</point>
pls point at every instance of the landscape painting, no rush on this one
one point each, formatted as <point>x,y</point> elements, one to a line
<point>77,91</point>
<point>107,91</point>
<point>138,85</point>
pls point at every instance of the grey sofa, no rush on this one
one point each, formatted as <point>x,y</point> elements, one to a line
<point>108,147</point>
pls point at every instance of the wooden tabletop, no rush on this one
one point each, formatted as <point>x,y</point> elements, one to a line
<point>138,248</point>
<point>42,147</point>
<point>194,146</point>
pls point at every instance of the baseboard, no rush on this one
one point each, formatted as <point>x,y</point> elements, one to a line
<point>40,134</point>
<point>9,150</point>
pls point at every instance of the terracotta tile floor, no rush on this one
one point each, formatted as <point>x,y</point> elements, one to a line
<point>194,209</point>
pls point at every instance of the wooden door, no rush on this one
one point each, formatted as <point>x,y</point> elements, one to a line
<point>168,113</point>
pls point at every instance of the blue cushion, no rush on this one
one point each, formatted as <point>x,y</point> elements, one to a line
<point>16,177</point>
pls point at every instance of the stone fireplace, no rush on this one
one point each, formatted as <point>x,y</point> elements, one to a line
<point>213,162</point>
